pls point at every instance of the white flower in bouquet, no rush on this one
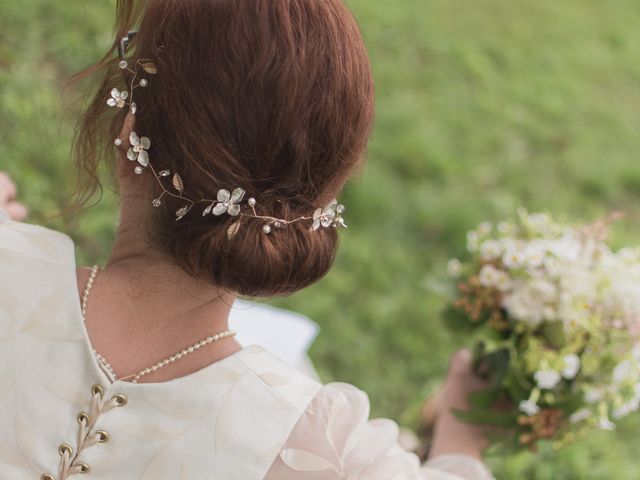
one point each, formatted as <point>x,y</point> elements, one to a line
<point>528,407</point>
<point>506,228</point>
<point>580,415</point>
<point>621,303</point>
<point>594,395</point>
<point>514,256</point>
<point>623,371</point>
<point>531,300</point>
<point>547,379</point>
<point>577,292</point>
<point>490,276</point>
<point>571,366</point>
<point>473,241</point>
<point>484,229</point>
<point>491,250</point>
<point>534,255</point>
<point>558,319</point>
<point>606,424</point>
<point>566,248</point>
<point>454,268</point>
<point>626,409</point>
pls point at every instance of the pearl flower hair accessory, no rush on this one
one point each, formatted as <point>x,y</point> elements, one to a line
<point>227,202</point>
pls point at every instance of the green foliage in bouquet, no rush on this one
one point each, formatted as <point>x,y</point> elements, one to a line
<point>554,314</point>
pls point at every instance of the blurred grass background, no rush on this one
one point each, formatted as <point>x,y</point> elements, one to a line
<point>482,107</point>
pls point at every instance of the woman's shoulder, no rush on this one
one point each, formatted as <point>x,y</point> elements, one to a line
<point>287,383</point>
<point>336,434</point>
<point>31,241</point>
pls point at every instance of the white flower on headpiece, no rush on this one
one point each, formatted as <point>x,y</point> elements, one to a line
<point>138,150</point>
<point>329,216</point>
<point>228,202</point>
<point>118,98</point>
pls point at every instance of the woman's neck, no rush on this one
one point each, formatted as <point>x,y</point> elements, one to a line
<point>144,308</point>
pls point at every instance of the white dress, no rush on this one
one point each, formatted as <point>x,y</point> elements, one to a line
<point>248,417</point>
<point>287,335</point>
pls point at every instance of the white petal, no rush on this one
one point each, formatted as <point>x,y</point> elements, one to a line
<point>181,213</point>
<point>115,93</point>
<point>143,158</point>
<point>124,95</point>
<point>134,139</point>
<point>316,224</point>
<point>317,214</point>
<point>219,209</point>
<point>111,102</point>
<point>234,209</point>
<point>330,211</point>
<point>131,155</point>
<point>224,195</point>
<point>207,210</point>
<point>145,142</point>
<point>237,195</point>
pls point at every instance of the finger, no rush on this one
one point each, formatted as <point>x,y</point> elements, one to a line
<point>7,189</point>
<point>462,374</point>
<point>432,407</point>
<point>461,362</point>
<point>16,211</point>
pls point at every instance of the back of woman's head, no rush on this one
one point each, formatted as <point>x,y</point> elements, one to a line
<point>274,96</point>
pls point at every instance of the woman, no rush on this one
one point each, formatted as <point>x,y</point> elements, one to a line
<point>249,117</point>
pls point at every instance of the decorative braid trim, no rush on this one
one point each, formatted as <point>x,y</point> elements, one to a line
<point>70,463</point>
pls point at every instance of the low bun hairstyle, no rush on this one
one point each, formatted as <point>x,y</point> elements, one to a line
<point>273,96</point>
<point>255,264</point>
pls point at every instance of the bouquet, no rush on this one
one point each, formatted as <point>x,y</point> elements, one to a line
<point>554,314</point>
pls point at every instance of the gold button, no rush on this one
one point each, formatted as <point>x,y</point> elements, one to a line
<point>84,468</point>
<point>103,437</point>
<point>47,476</point>
<point>120,399</point>
<point>65,448</point>
<point>97,389</point>
<point>82,416</point>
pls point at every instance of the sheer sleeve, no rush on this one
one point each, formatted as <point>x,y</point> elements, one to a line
<point>335,439</point>
<point>4,216</point>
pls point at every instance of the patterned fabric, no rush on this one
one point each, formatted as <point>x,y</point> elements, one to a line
<point>247,417</point>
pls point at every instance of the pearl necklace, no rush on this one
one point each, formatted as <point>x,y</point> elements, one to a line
<point>156,366</point>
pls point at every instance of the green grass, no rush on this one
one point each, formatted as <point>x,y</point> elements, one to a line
<point>482,107</point>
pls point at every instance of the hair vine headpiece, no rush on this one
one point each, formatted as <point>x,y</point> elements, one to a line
<point>229,202</point>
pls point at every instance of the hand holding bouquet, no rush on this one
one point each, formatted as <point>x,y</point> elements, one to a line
<point>555,314</point>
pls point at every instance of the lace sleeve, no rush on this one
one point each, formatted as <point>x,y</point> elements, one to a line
<point>335,439</point>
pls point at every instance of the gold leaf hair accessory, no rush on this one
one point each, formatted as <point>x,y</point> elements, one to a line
<point>227,202</point>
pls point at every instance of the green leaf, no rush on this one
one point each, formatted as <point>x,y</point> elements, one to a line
<point>458,321</point>
<point>483,399</point>
<point>553,332</point>
<point>488,417</point>
<point>493,365</point>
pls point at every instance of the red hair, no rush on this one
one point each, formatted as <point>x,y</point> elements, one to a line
<point>274,96</point>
